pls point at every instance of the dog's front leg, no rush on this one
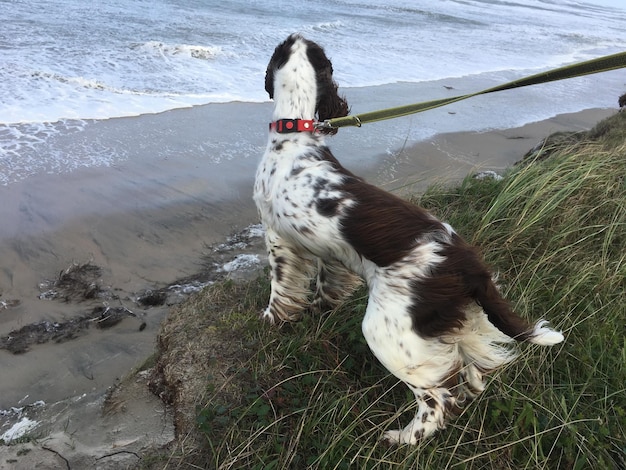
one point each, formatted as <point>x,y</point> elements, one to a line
<point>291,272</point>
<point>433,406</point>
<point>335,283</point>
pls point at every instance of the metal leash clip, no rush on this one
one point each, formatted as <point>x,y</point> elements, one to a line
<point>319,125</point>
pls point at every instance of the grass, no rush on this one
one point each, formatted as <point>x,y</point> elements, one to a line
<point>311,394</point>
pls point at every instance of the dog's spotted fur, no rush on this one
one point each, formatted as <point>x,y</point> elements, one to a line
<point>434,317</point>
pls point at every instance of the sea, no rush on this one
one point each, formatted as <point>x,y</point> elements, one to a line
<point>67,65</point>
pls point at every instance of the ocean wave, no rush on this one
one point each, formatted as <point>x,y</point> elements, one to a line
<point>327,26</point>
<point>179,50</point>
<point>98,85</point>
<point>75,81</point>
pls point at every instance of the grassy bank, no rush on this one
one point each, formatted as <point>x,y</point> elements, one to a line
<point>311,394</point>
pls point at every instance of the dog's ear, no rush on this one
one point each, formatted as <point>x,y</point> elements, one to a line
<point>269,82</point>
<point>329,103</point>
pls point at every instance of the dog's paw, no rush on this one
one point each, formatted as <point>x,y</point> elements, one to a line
<point>267,316</point>
<point>391,437</point>
<point>320,307</point>
<point>398,437</point>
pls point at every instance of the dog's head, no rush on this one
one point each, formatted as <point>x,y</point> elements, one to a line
<point>329,104</point>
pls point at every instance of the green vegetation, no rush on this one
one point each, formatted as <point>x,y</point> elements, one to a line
<point>311,394</point>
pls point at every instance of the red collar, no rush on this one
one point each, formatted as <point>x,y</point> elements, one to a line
<point>286,126</point>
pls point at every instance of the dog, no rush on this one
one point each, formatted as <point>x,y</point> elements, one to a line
<point>435,318</point>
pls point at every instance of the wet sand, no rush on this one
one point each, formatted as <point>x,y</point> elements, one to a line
<point>147,223</point>
<point>451,156</point>
<point>137,251</point>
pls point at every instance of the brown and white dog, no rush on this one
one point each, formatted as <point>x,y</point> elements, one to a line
<point>434,318</point>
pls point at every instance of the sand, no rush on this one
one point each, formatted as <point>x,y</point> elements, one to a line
<point>146,224</point>
<point>451,156</point>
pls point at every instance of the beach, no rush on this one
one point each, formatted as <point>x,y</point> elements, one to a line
<point>148,222</point>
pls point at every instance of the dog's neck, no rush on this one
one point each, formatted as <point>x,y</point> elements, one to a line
<point>295,87</point>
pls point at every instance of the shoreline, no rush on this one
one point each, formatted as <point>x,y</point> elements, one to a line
<point>141,248</point>
<point>451,156</point>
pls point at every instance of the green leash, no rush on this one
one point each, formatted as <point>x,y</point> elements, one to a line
<point>601,64</point>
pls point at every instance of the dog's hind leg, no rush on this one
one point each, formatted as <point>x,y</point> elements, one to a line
<point>428,366</point>
<point>483,349</point>
<point>334,284</point>
<point>291,273</point>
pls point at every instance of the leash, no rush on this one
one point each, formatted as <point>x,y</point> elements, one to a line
<point>601,64</point>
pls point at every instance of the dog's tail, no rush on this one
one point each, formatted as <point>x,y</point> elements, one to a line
<point>501,315</point>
